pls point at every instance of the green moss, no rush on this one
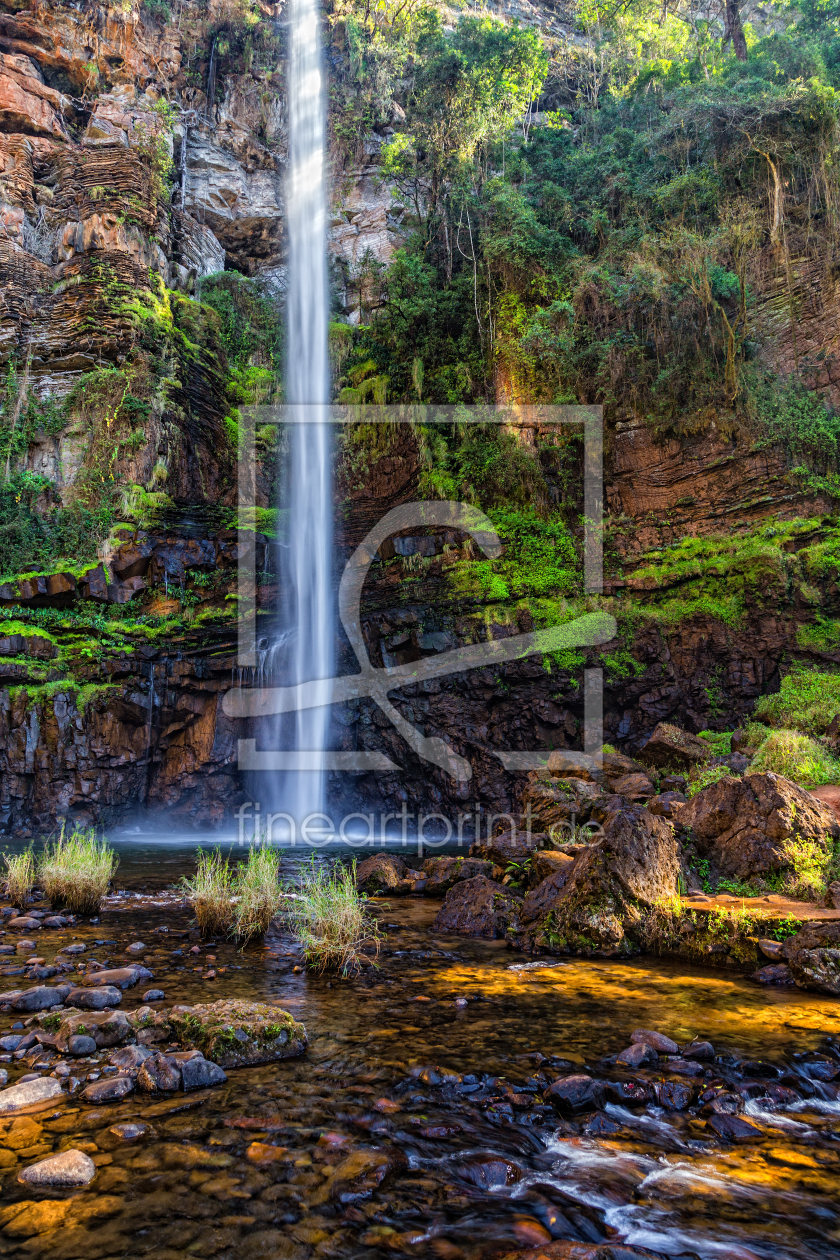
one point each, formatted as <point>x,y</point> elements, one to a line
<point>808,700</point>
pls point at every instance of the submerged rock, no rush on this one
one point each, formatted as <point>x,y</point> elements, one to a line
<point>70,1168</point>
<point>112,1090</point>
<point>743,825</point>
<point>119,977</point>
<point>479,907</point>
<point>232,1033</point>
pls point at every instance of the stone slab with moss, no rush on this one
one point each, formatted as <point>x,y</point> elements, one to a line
<point>232,1033</point>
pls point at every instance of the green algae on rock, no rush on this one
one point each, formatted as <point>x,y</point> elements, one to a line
<point>231,1033</point>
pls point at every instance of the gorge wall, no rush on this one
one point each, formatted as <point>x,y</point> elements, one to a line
<point>141,154</point>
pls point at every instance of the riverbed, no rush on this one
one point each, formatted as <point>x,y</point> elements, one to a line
<point>415,1125</point>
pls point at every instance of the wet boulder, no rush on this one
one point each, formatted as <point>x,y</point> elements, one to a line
<point>570,1094</point>
<point>120,977</point>
<point>106,1028</point>
<point>479,907</point>
<point>675,749</point>
<point>97,999</point>
<point>380,873</point>
<point>599,907</point>
<point>489,1172</point>
<point>813,956</point>
<point>444,872</point>
<point>657,1040</point>
<point>114,1089</point>
<point>743,825</point>
<point>159,1074</point>
<point>231,1033</point>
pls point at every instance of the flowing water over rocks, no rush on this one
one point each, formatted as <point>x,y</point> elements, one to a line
<point>454,1102</point>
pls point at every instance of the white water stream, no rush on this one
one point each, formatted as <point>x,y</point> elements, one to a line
<point>309,555</point>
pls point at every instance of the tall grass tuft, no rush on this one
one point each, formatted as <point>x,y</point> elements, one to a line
<point>211,892</point>
<point>329,919</point>
<point>76,870</point>
<point>257,893</point>
<point>20,877</point>
<point>796,757</point>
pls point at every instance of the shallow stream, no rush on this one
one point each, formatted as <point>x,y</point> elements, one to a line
<point>374,1144</point>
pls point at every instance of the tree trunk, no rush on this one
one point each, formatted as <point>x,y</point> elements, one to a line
<point>734,30</point>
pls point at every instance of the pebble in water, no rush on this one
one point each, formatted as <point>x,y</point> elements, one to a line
<point>70,1168</point>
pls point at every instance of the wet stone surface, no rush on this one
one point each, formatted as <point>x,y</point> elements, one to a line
<point>458,1103</point>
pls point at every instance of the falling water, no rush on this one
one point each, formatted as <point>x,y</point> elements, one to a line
<point>307,388</point>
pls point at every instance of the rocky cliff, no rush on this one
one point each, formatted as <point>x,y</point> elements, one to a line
<point>141,154</point>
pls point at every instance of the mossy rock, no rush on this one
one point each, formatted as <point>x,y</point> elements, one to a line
<point>232,1033</point>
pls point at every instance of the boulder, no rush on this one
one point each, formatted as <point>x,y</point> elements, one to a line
<point>41,998</point>
<point>444,872</point>
<point>576,1093</point>
<point>667,804</point>
<point>479,907</point>
<point>598,908</point>
<point>70,1168</point>
<point>29,1094</point>
<point>200,1073</point>
<point>635,787</point>
<point>813,956</point>
<point>232,1032</point>
<point>107,1028</point>
<point>553,807</point>
<point>379,873</point>
<point>742,825</point>
<point>112,1090</point>
<point>130,1058</point>
<point>94,999</point>
<point>637,1055</point>
<point>79,1046</point>
<point>656,1040</point>
<point>506,848</point>
<point>547,862</point>
<point>159,1074</point>
<point>120,977</point>
<point>674,748</point>
<point>774,973</point>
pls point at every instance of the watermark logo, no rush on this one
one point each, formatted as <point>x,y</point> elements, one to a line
<point>377,684</point>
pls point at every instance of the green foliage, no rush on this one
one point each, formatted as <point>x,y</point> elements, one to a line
<point>257,894</point>
<point>800,421</point>
<point>796,757</point>
<point>210,890</point>
<point>705,778</point>
<point>808,700</point>
<point>249,320</point>
<point>538,560</point>
<point>812,867</point>
<point>720,741</point>
<point>20,877</point>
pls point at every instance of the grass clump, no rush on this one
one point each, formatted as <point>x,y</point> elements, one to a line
<point>211,892</point>
<point>808,700</point>
<point>20,877</point>
<point>329,919</point>
<point>812,867</point>
<point>75,870</point>
<point>797,757</point>
<point>257,893</point>
<point>705,778</point>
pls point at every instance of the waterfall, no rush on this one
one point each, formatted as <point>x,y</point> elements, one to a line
<point>309,498</point>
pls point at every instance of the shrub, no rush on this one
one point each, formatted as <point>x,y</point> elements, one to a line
<point>721,742</point>
<point>328,917</point>
<point>705,778</point>
<point>75,871</point>
<point>812,868</point>
<point>257,893</point>
<point>211,892</point>
<point>20,877</point>
<point>796,757</point>
<point>808,700</point>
